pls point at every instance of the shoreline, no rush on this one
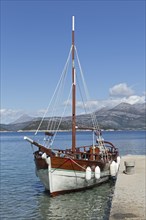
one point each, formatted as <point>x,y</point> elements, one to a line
<point>41,131</point>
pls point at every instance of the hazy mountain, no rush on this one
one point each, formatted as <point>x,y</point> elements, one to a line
<point>126,108</point>
<point>141,107</point>
<point>4,127</point>
<point>122,116</point>
<point>23,118</point>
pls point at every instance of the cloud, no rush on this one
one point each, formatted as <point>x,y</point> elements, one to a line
<point>95,105</point>
<point>89,104</point>
<point>134,99</point>
<point>113,101</point>
<point>10,115</point>
<point>121,90</point>
<point>118,93</point>
<point>67,103</point>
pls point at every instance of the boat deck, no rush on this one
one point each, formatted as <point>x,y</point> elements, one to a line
<point>129,200</point>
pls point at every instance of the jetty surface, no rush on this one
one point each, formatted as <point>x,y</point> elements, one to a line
<point>129,200</point>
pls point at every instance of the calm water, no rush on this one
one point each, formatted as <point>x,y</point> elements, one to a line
<point>23,196</point>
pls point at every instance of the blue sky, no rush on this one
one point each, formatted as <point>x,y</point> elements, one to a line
<point>35,42</point>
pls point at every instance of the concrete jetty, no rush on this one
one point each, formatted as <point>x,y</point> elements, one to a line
<point>129,200</point>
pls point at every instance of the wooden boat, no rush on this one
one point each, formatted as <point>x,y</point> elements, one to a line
<point>77,168</point>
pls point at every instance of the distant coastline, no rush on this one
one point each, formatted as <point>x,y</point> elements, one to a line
<point>122,117</point>
<point>42,131</point>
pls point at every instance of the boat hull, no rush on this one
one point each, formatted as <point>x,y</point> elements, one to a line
<point>63,179</point>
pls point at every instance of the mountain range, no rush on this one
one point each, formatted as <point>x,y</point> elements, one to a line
<point>122,117</point>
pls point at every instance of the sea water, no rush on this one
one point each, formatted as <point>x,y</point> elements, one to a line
<point>23,195</point>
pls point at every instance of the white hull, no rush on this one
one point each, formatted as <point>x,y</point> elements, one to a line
<point>58,181</point>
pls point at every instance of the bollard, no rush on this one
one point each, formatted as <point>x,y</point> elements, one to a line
<point>129,167</point>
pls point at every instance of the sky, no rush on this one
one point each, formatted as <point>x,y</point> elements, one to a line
<point>36,40</point>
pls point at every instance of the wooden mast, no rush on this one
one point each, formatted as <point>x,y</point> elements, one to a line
<point>73,92</point>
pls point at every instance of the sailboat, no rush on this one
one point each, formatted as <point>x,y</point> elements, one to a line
<point>63,170</point>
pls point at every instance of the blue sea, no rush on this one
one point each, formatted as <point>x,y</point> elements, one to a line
<point>23,196</point>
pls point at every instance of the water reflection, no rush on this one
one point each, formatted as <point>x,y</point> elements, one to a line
<point>89,204</point>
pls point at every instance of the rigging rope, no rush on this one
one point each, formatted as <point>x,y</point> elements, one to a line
<point>93,116</point>
<point>54,92</point>
<point>62,115</point>
<point>52,121</point>
<point>56,99</point>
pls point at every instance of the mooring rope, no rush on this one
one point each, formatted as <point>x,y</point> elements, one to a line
<point>77,164</point>
<point>68,158</point>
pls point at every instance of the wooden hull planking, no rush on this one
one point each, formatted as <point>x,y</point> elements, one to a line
<point>62,175</point>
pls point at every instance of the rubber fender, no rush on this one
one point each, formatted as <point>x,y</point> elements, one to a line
<point>88,173</point>
<point>117,167</point>
<point>44,156</point>
<point>97,172</point>
<point>113,168</point>
<point>118,160</point>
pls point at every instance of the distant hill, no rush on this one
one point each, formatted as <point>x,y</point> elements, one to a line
<point>23,118</point>
<point>4,127</point>
<point>123,116</point>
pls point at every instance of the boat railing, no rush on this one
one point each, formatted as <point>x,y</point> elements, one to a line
<point>88,153</point>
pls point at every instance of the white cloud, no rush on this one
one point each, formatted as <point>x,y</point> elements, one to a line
<point>10,115</point>
<point>39,113</point>
<point>89,104</point>
<point>110,102</point>
<point>120,93</point>
<point>67,103</point>
<point>134,99</point>
<point>121,90</point>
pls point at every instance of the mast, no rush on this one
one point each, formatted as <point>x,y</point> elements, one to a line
<point>73,92</point>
